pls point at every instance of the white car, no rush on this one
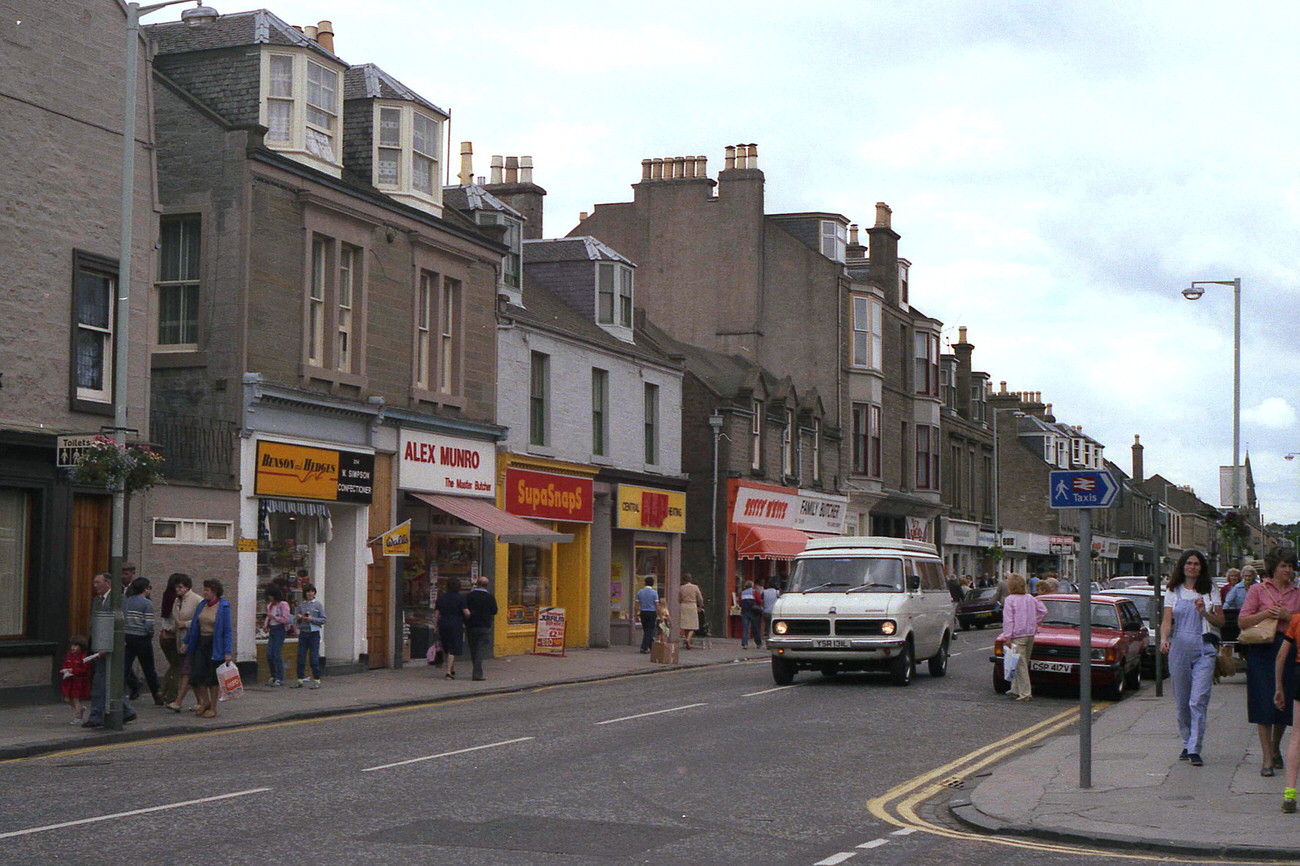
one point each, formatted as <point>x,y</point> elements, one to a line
<point>863,603</point>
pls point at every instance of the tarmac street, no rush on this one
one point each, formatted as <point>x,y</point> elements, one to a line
<point>586,760</point>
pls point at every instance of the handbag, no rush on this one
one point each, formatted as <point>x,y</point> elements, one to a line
<point>1010,661</point>
<point>1261,632</point>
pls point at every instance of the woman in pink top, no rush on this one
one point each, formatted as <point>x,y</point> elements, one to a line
<point>1277,596</point>
<point>1021,614</point>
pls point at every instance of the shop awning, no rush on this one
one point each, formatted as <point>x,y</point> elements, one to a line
<point>508,528</point>
<point>768,542</point>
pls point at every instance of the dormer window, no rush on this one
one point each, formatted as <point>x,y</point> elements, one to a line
<point>834,240</point>
<point>514,238</point>
<point>614,294</point>
<point>302,107</point>
<point>407,142</point>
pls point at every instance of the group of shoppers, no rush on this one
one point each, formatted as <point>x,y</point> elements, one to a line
<point>757,601</point>
<point>656,620</point>
<point>465,619</point>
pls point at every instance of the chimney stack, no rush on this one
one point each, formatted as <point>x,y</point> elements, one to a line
<point>1137,459</point>
<point>582,215</point>
<point>466,176</point>
<point>853,234</point>
<point>512,182</point>
<point>325,35</point>
<point>498,162</point>
<point>882,215</point>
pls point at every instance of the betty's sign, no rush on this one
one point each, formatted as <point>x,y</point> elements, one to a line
<point>794,509</point>
<point>446,464</point>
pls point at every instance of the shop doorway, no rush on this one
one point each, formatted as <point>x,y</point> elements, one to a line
<point>91,521</point>
<point>378,633</point>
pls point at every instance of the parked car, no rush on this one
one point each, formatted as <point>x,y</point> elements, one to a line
<point>863,603</point>
<point>1145,601</point>
<point>1118,640</point>
<point>979,608</point>
<point>1128,581</point>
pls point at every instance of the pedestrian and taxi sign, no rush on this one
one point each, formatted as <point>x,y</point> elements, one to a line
<point>1094,488</point>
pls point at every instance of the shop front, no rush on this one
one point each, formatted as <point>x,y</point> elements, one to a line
<point>646,541</point>
<point>1105,557</point>
<point>449,486</point>
<point>544,570</point>
<point>767,526</point>
<point>310,505</point>
<point>962,553</point>
<point>1030,553</point>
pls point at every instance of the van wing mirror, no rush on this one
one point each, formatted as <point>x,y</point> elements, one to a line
<point>913,583</point>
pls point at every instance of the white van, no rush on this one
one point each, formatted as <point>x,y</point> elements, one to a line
<point>865,603</point>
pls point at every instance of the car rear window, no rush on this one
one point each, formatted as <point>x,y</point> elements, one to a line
<point>860,573</point>
<point>1065,611</point>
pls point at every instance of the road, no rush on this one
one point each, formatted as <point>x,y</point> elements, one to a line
<point>699,766</point>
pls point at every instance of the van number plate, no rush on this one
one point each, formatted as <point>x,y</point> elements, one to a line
<point>1051,667</point>
<point>830,643</point>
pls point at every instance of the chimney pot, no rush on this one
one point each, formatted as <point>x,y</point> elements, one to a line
<point>701,166</point>
<point>853,234</point>
<point>730,160</point>
<point>961,334</point>
<point>325,35</point>
<point>1004,388</point>
<point>481,180</point>
<point>582,215</point>
<point>525,169</point>
<point>310,32</point>
<point>753,155</point>
<point>645,169</point>
<point>466,175</point>
<point>512,169</point>
<point>657,168</point>
<point>498,163</point>
<point>882,214</point>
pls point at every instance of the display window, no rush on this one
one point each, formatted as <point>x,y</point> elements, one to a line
<point>651,560</point>
<point>284,557</point>
<point>435,558</point>
<point>529,584</point>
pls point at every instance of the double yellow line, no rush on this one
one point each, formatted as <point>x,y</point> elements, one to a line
<point>898,806</point>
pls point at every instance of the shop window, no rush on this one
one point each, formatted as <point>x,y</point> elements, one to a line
<point>284,550</point>
<point>15,516</point>
<point>529,583</point>
<point>448,548</point>
<point>204,532</point>
<point>649,560</point>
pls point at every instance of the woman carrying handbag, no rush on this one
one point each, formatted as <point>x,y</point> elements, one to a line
<point>1273,600</point>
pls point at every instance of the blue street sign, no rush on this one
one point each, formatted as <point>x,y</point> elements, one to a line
<point>1091,489</point>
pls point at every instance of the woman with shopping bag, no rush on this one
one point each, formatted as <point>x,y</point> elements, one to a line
<point>211,639</point>
<point>1021,614</point>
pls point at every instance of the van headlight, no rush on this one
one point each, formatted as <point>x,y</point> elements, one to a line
<point>888,627</point>
<point>780,627</point>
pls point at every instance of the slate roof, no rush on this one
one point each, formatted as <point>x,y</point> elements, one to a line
<point>546,310</point>
<point>368,81</point>
<point>727,375</point>
<point>473,197</point>
<point>258,27</point>
<point>574,249</point>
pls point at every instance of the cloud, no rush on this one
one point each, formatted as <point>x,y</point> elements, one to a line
<point>1274,413</point>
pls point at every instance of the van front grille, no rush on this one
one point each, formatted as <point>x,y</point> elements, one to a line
<point>806,627</point>
<point>858,627</point>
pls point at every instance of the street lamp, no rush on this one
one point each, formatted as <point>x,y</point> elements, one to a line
<point>1193,293</point>
<point>196,17</point>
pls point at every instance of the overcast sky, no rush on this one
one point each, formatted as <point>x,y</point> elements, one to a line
<point>1058,171</point>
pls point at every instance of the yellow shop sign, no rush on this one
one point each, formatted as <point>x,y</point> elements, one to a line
<point>648,508</point>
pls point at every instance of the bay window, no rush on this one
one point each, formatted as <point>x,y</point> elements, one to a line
<point>302,107</point>
<point>927,457</point>
<point>925,377</point>
<point>407,148</point>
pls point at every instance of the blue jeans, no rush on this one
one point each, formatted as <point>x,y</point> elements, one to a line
<point>275,652</point>
<point>309,644</point>
<point>751,621</point>
<point>649,619</point>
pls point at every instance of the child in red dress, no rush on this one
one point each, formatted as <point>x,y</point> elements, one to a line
<point>76,676</point>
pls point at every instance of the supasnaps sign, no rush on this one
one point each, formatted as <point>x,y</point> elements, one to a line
<point>430,463</point>
<point>304,472</point>
<point>548,496</point>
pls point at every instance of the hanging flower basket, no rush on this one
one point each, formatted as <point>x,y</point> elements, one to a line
<point>116,465</point>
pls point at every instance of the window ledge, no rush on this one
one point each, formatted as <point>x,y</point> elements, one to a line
<point>23,647</point>
<point>310,372</point>
<point>423,395</point>
<point>91,407</point>
<point>543,451</point>
<point>601,460</point>
<point>178,358</point>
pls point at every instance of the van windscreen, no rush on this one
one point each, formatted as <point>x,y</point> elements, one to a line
<point>847,574</point>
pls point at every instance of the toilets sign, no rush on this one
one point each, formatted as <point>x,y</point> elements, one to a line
<point>1091,489</point>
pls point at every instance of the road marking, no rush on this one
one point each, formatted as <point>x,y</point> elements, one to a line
<point>769,691</point>
<point>643,715</point>
<point>115,815</point>
<point>835,858</point>
<point>874,843</point>
<point>447,754</point>
<point>903,831</point>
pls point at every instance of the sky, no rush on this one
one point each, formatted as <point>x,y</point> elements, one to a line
<point>1058,171</point>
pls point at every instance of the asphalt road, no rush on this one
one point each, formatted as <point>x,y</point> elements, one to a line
<point>701,766</point>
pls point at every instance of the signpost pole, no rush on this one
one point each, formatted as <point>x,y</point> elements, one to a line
<point>1157,616</point>
<point>1085,649</point>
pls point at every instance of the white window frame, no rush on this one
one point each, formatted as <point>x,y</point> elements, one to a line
<point>867,332</point>
<point>925,372</point>
<point>426,295</point>
<point>449,328</point>
<point>317,291</point>
<point>303,132</point>
<point>514,238</point>
<point>756,435</point>
<point>787,445</point>
<point>817,450</point>
<point>614,284</point>
<point>349,290</point>
<point>191,531</point>
<point>105,333</point>
<point>184,284</point>
<point>834,240</point>
<point>408,156</point>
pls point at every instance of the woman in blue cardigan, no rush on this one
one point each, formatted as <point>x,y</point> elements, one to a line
<point>210,640</point>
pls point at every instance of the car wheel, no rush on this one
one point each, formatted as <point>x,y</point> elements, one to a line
<point>1116,692</point>
<point>1134,678</point>
<point>1000,685</point>
<point>938,663</point>
<point>783,671</point>
<point>902,667</point>
<point>965,625</point>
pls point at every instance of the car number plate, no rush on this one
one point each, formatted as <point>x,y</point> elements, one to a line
<point>1051,667</point>
<point>984,613</point>
<point>830,643</point>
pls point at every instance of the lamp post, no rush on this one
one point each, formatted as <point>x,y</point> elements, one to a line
<point>715,424</point>
<point>195,17</point>
<point>1193,292</point>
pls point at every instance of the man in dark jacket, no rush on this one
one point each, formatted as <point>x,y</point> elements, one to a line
<point>482,606</point>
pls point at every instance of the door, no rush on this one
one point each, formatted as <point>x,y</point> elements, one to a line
<point>379,594</point>
<point>91,519</point>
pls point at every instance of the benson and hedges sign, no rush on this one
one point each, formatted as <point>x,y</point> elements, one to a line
<point>303,472</point>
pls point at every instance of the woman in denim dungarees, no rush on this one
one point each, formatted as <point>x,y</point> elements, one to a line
<point>1190,634</point>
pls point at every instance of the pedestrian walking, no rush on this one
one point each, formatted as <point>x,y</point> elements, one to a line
<point>647,599</point>
<point>211,641</point>
<point>76,676</point>
<point>751,615</point>
<point>167,641</point>
<point>133,683</point>
<point>183,611</point>
<point>1190,635</point>
<point>1021,615</point>
<point>482,607</point>
<point>690,601</point>
<point>137,610</point>
<point>310,620</point>
<point>449,616</point>
<point>277,620</point>
<point>770,594</point>
<point>1288,655</point>
<point>102,585</point>
<point>1275,598</point>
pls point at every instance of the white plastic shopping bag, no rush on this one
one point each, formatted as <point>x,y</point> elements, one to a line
<point>232,686</point>
<point>1010,661</point>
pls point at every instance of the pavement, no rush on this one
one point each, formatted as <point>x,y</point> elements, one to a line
<point>45,728</point>
<point>1142,796</point>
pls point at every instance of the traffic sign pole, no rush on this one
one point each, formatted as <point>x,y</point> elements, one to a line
<point>1085,649</point>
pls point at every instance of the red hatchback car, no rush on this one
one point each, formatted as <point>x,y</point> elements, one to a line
<point>1118,639</point>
